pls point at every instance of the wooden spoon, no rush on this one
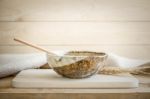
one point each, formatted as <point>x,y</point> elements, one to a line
<point>33,45</point>
<point>61,59</point>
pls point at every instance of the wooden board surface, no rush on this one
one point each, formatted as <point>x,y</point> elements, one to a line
<point>129,51</point>
<point>127,39</point>
<point>46,78</point>
<point>75,10</point>
<point>118,26</point>
<point>142,92</point>
<point>76,33</point>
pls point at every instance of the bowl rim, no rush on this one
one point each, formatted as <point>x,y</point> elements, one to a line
<point>101,54</point>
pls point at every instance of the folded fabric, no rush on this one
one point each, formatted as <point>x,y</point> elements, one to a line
<point>117,64</point>
<point>13,63</point>
<point>124,62</point>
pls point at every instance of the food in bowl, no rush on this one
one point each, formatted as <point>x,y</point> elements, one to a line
<point>77,64</point>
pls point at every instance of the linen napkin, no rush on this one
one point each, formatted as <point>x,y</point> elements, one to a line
<point>13,63</point>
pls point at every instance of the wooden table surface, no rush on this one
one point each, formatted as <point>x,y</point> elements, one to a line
<point>142,92</point>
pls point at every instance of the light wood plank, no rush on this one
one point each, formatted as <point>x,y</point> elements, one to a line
<point>5,87</point>
<point>137,93</point>
<point>131,51</point>
<point>69,33</point>
<point>75,10</point>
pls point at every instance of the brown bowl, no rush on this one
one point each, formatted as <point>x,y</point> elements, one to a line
<point>82,63</point>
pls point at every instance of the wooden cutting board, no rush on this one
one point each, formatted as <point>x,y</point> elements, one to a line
<point>47,78</point>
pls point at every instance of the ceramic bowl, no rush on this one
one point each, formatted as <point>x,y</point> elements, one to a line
<point>77,64</point>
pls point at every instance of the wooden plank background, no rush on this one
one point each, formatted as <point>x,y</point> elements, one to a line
<point>74,10</point>
<point>118,26</point>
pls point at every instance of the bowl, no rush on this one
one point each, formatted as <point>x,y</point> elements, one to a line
<point>77,64</point>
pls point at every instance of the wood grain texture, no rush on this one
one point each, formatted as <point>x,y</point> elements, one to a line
<point>75,33</point>
<point>131,51</point>
<point>118,26</point>
<point>74,10</point>
<point>75,96</point>
<point>46,78</point>
<point>142,92</point>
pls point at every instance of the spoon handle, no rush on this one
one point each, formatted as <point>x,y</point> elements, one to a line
<point>32,45</point>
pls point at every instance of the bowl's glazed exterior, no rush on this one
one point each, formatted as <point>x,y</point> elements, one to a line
<point>82,63</point>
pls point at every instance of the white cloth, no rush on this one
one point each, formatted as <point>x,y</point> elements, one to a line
<point>124,62</point>
<point>13,63</point>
